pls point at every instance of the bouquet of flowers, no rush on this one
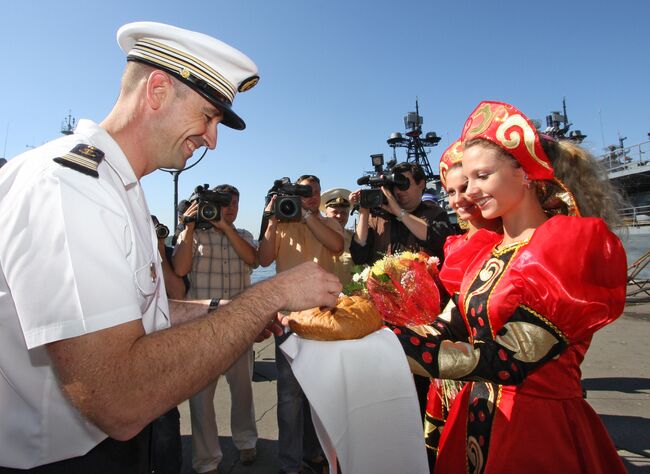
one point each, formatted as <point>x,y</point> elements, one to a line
<point>402,287</point>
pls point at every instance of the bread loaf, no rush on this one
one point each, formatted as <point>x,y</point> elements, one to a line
<point>353,317</point>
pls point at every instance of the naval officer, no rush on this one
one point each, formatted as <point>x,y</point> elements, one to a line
<point>90,349</point>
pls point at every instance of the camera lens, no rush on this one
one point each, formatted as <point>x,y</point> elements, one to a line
<point>208,212</point>
<point>162,231</point>
<point>371,198</point>
<point>287,208</point>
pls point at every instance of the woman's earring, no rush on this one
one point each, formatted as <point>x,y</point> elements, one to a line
<point>462,223</point>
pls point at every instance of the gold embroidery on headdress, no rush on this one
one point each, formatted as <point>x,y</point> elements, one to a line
<point>515,137</point>
<point>485,122</point>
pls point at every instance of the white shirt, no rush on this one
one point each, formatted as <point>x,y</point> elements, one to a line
<point>77,254</point>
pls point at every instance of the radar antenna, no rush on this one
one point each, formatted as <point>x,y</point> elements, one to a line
<point>415,144</point>
<point>68,124</point>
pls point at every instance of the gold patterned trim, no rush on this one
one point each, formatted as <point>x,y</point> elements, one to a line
<point>495,253</point>
<point>499,251</point>
<point>530,136</point>
<point>547,322</point>
<point>527,341</point>
<point>457,359</point>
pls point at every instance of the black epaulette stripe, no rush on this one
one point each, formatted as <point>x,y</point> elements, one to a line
<point>83,158</point>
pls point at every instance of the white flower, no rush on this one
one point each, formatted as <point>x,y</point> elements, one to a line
<point>365,273</point>
<point>362,276</point>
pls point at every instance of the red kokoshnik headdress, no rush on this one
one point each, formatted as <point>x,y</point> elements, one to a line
<point>452,155</point>
<point>507,127</point>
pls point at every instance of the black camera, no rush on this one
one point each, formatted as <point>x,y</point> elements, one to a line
<point>162,231</point>
<point>210,203</point>
<point>373,198</point>
<point>288,203</point>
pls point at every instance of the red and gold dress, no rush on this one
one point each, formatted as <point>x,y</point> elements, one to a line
<point>529,311</point>
<point>442,393</point>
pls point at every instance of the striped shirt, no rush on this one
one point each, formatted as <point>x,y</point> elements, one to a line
<point>217,270</point>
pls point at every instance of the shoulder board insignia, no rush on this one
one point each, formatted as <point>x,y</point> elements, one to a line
<point>82,158</point>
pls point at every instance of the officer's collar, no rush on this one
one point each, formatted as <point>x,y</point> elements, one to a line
<point>113,154</point>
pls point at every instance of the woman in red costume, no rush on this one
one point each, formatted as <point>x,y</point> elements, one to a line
<point>442,392</point>
<point>529,303</point>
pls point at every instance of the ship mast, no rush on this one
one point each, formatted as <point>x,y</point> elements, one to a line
<point>68,124</point>
<point>415,144</point>
<point>558,125</point>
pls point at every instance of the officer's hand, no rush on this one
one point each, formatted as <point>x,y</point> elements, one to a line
<point>307,286</point>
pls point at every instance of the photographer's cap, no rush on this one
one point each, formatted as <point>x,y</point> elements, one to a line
<point>212,68</point>
<point>336,197</point>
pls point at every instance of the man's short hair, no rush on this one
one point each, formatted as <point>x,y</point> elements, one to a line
<point>414,168</point>
<point>227,188</point>
<point>308,177</point>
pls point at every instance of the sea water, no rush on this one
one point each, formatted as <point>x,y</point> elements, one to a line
<point>637,243</point>
<point>262,273</point>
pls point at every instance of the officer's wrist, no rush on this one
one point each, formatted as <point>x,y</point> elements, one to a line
<point>306,215</point>
<point>214,304</point>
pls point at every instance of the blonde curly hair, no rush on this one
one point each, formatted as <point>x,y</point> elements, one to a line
<point>581,174</point>
<point>586,179</point>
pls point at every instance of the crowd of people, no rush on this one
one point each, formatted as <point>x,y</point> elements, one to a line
<point>106,329</point>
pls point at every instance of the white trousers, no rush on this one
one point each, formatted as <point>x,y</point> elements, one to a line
<point>206,451</point>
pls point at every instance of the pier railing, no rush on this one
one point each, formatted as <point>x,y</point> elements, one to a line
<point>636,216</point>
<point>619,159</point>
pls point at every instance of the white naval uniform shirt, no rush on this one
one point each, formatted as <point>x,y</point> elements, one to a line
<point>77,254</point>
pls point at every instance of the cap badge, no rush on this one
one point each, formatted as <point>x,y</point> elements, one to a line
<point>248,83</point>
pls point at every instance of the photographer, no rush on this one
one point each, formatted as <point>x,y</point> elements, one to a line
<point>412,225</point>
<point>313,238</point>
<point>175,285</point>
<point>219,259</point>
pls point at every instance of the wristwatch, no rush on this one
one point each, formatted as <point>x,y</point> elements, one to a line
<point>306,215</point>
<point>401,214</point>
<point>214,304</point>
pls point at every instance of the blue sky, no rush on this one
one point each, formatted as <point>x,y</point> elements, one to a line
<point>337,77</point>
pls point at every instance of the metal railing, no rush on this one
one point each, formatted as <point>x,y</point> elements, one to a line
<point>636,216</point>
<point>626,158</point>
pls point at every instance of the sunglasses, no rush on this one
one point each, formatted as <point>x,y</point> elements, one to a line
<point>310,177</point>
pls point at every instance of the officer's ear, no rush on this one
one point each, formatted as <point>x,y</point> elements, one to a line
<point>160,87</point>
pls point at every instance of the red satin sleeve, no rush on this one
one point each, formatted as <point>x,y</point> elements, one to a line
<point>453,242</point>
<point>573,272</point>
<point>459,253</point>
